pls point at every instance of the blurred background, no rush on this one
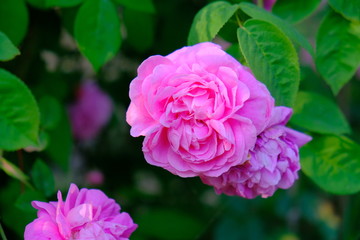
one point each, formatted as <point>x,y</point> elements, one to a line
<point>164,206</point>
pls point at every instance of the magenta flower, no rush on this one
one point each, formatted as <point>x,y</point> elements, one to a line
<point>273,163</point>
<point>199,109</point>
<point>86,214</point>
<point>267,4</point>
<point>90,112</point>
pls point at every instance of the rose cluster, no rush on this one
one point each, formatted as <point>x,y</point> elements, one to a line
<point>85,214</point>
<point>204,114</point>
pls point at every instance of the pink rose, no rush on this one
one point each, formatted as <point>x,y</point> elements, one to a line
<point>85,214</point>
<point>199,109</point>
<point>90,112</point>
<point>273,163</point>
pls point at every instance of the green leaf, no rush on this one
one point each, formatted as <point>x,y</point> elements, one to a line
<point>50,112</point>
<point>146,6</point>
<point>168,224</point>
<point>97,31</point>
<point>38,3</point>
<point>7,49</point>
<point>23,202</point>
<point>43,178</point>
<point>272,58</point>
<point>235,51</point>
<point>43,4</point>
<point>234,229</point>
<point>68,16</point>
<point>261,14</point>
<point>19,114</point>
<point>350,9</point>
<point>209,20</point>
<point>351,218</point>
<point>333,163</point>
<point>295,11</point>
<point>42,144</point>
<point>319,114</point>
<point>135,20</point>
<point>337,50</point>
<point>14,218</point>
<point>60,143</point>
<point>62,3</point>
<point>13,171</point>
<point>14,19</point>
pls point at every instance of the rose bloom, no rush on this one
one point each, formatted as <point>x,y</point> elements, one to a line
<point>85,214</point>
<point>199,109</point>
<point>90,112</point>
<point>273,163</point>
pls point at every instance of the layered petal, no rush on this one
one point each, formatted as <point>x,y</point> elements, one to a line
<point>199,109</point>
<point>85,214</point>
<point>273,162</point>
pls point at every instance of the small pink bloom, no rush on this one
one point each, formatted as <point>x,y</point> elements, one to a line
<point>90,112</point>
<point>199,109</point>
<point>273,163</point>
<point>94,177</point>
<point>85,214</point>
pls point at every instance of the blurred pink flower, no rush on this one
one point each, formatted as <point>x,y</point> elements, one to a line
<point>85,214</point>
<point>199,109</point>
<point>90,112</point>
<point>273,163</point>
<point>94,177</point>
<point>267,4</point>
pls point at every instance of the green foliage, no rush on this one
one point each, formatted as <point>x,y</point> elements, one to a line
<point>42,143</point>
<point>350,9</point>
<point>142,39</point>
<point>97,31</point>
<point>44,4</point>
<point>169,224</point>
<point>7,50</point>
<point>19,114</point>
<point>23,202</point>
<point>50,112</point>
<point>146,6</point>
<point>333,163</point>
<point>12,213</point>
<point>261,14</point>
<point>62,3</point>
<point>43,178</point>
<point>38,3</point>
<point>13,171</point>
<point>14,19</point>
<point>272,58</point>
<point>337,50</point>
<point>235,230</point>
<point>209,20</point>
<point>61,143</point>
<point>295,11</point>
<point>235,51</point>
<point>352,217</point>
<point>319,114</point>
